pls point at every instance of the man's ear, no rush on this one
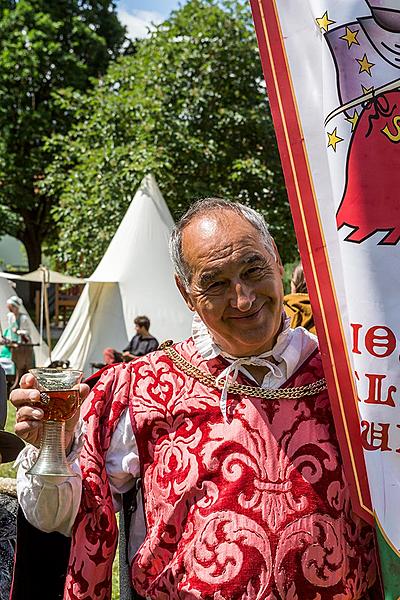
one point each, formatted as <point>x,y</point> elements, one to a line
<point>278,259</point>
<point>184,293</point>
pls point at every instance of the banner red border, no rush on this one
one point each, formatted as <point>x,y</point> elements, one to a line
<point>312,247</point>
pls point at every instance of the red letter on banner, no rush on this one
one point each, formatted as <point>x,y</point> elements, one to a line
<point>372,433</point>
<point>356,328</point>
<point>374,341</point>
<point>375,390</point>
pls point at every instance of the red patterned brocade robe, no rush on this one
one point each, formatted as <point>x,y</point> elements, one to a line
<point>253,508</point>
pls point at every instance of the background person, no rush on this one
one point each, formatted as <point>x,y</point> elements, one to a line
<point>141,344</point>
<point>297,304</point>
<point>18,329</point>
<point>15,357</point>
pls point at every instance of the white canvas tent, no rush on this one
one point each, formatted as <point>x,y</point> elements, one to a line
<point>41,351</point>
<point>135,276</point>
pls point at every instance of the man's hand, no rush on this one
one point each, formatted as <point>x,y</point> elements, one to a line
<point>29,417</point>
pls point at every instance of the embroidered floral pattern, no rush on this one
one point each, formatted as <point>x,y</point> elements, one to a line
<point>256,508</point>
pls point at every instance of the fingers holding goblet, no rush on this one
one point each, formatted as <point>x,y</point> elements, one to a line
<point>31,411</point>
<point>29,416</point>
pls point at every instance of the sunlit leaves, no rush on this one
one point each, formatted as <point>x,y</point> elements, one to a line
<point>46,46</point>
<point>189,106</point>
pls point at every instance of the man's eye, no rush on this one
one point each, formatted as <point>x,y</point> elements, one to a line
<point>216,285</point>
<point>254,271</point>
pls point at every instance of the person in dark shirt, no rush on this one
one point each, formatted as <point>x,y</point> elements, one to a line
<point>142,343</point>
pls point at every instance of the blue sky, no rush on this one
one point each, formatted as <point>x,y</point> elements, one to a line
<point>137,15</point>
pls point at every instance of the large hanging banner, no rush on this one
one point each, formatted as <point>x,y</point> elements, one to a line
<point>332,69</point>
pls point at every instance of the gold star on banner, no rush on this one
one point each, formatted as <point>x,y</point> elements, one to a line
<point>350,37</point>
<point>324,22</point>
<point>333,139</point>
<point>365,66</point>
<point>353,120</point>
<point>366,90</point>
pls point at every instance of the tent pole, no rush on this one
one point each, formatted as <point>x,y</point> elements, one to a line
<point>41,312</point>
<point>47,312</point>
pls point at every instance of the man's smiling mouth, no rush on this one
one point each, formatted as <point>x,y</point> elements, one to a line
<point>248,315</point>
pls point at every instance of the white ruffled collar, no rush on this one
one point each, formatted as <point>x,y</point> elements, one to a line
<point>292,347</point>
<point>209,349</point>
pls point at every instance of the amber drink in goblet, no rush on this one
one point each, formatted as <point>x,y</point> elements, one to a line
<point>59,400</point>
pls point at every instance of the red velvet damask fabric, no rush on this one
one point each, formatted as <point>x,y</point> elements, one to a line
<point>95,532</point>
<point>250,509</point>
<point>254,508</point>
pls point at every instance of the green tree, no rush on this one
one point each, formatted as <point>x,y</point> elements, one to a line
<point>188,105</point>
<point>45,47</point>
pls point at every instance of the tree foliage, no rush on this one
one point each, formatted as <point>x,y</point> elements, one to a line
<point>45,47</point>
<point>188,105</point>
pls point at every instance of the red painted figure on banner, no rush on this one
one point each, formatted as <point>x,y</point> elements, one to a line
<point>367,59</point>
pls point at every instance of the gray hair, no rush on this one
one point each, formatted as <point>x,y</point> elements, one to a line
<point>206,206</point>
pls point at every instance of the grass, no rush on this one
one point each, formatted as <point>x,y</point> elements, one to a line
<point>7,470</point>
<point>115,578</point>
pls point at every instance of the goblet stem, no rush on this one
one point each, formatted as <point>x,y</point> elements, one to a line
<point>52,461</point>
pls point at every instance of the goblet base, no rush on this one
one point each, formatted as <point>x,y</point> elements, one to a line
<point>51,461</point>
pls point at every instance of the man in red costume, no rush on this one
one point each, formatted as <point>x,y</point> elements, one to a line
<point>232,434</point>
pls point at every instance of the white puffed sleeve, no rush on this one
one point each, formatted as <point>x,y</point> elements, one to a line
<point>49,503</point>
<point>52,503</point>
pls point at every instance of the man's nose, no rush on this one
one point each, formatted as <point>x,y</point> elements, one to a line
<point>243,297</point>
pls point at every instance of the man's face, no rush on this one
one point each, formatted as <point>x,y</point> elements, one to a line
<point>236,284</point>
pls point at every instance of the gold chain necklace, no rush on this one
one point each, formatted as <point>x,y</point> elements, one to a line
<point>312,389</point>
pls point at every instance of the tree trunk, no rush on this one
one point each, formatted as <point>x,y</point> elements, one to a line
<point>33,245</point>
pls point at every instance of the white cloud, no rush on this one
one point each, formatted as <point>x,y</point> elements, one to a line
<point>138,22</point>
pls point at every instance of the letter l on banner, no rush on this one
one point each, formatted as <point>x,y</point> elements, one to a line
<point>332,70</point>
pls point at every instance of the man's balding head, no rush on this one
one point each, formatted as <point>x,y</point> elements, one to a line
<point>206,208</point>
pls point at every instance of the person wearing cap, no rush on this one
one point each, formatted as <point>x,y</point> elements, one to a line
<point>16,357</point>
<point>10,447</point>
<point>231,431</point>
<point>18,329</point>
